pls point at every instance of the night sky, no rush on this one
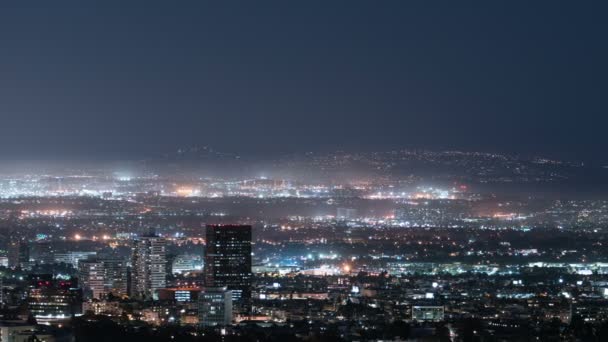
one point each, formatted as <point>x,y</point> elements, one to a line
<point>128,79</point>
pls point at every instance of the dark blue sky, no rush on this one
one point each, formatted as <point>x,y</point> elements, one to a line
<point>129,78</point>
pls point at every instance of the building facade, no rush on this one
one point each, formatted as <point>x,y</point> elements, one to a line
<point>228,260</point>
<point>100,277</point>
<point>149,266</point>
<point>215,307</point>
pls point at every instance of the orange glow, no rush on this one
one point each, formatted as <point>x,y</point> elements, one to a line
<point>185,191</point>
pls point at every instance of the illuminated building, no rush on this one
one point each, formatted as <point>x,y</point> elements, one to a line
<point>91,276</point>
<point>100,277</point>
<point>179,294</point>
<point>428,313</point>
<point>115,276</point>
<point>148,266</point>
<point>72,258</point>
<point>228,260</point>
<point>186,263</point>
<point>54,300</point>
<point>215,307</point>
<point>102,308</point>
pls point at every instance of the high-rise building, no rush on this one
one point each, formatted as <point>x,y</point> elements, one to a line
<point>18,254</point>
<point>100,277</point>
<point>228,260</point>
<point>91,275</point>
<point>215,307</point>
<point>115,276</point>
<point>149,266</point>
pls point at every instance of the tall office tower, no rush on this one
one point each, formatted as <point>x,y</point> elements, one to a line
<point>149,270</point>
<point>228,260</point>
<point>91,278</point>
<point>18,254</point>
<point>115,276</point>
<point>100,277</point>
<point>215,307</point>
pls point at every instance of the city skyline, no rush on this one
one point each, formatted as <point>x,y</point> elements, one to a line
<point>308,171</point>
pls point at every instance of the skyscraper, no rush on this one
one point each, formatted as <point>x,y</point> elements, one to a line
<point>100,277</point>
<point>228,260</point>
<point>115,276</point>
<point>149,271</point>
<point>91,278</point>
<point>18,254</point>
